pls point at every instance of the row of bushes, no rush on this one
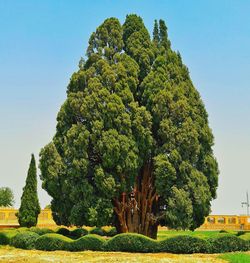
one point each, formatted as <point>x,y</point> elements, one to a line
<point>73,234</point>
<point>126,243</point>
<point>80,232</point>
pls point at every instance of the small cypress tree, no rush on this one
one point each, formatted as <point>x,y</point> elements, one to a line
<point>163,35</point>
<point>30,208</point>
<point>156,36</point>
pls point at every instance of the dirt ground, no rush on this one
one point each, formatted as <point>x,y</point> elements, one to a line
<point>9,254</point>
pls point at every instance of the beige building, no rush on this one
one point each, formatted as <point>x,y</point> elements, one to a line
<point>213,222</point>
<point>8,218</point>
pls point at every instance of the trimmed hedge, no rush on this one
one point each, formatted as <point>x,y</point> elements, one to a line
<point>41,231</point>
<point>110,232</point>
<point>227,243</point>
<point>241,232</point>
<point>97,231</point>
<point>78,232</point>
<point>25,240</point>
<point>128,242</point>
<point>3,239</point>
<point>183,244</point>
<point>63,231</point>
<point>89,242</point>
<point>51,242</point>
<point>131,242</point>
<point>6,236</point>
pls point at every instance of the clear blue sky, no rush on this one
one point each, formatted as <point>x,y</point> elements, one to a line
<point>41,43</point>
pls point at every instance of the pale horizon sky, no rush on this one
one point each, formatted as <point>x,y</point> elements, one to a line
<point>41,43</point>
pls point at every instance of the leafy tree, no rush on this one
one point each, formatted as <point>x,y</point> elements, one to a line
<point>133,146</point>
<point>30,208</point>
<point>6,197</point>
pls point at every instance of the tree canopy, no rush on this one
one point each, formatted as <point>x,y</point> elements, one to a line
<point>30,208</point>
<point>6,197</point>
<point>132,146</point>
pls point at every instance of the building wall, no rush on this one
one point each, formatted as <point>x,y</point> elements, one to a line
<point>226,222</point>
<point>8,218</point>
<point>212,222</point>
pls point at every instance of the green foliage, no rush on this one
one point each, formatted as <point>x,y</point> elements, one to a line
<point>51,242</point>
<point>6,197</point>
<point>78,232</point>
<point>10,233</point>
<point>223,231</point>
<point>130,242</point>
<point>110,232</point>
<point>63,231</point>
<point>236,257</point>
<point>89,242</point>
<point>97,231</point>
<point>24,240</point>
<point>242,232</point>
<point>183,245</point>
<point>227,243</point>
<point>30,208</point>
<point>131,102</point>
<point>4,240</point>
<point>41,231</point>
<point>245,236</point>
<point>156,36</point>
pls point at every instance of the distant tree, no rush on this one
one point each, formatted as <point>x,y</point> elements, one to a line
<point>30,208</point>
<point>133,145</point>
<point>6,197</point>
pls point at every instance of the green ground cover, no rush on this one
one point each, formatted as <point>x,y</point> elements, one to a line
<point>163,234</point>
<point>236,257</point>
<point>178,242</point>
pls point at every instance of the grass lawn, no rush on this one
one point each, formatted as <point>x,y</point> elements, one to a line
<point>10,254</point>
<point>163,234</point>
<point>236,257</point>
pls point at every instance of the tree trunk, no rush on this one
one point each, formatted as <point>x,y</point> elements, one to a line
<point>136,211</point>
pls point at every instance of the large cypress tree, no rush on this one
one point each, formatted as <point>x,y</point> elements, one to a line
<point>30,208</point>
<point>132,146</point>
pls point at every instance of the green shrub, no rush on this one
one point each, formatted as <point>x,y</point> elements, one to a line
<point>245,237</point>
<point>41,231</point>
<point>4,240</point>
<point>183,244</point>
<point>63,231</point>
<point>97,231</point>
<point>22,229</point>
<point>25,240</point>
<point>130,242</point>
<point>89,242</point>
<point>223,231</point>
<point>227,243</point>
<point>6,235</point>
<point>51,242</point>
<point>78,232</point>
<point>110,232</point>
<point>241,232</point>
<point>10,233</point>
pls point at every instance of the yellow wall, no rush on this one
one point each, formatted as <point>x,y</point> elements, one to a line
<point>212,222</point>
<point>227,222</point>
<point>8,218</point>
